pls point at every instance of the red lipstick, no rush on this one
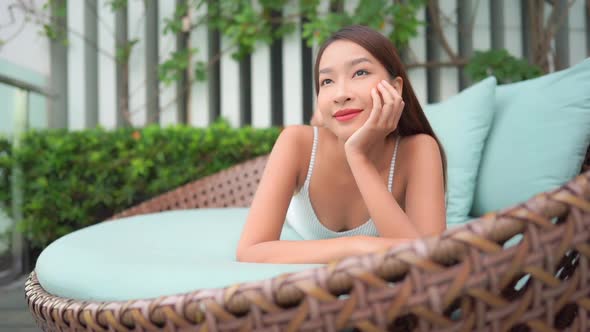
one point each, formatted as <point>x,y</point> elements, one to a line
<point>347,114</point>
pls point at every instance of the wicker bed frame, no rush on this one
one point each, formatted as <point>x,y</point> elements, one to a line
<point>463,280</point>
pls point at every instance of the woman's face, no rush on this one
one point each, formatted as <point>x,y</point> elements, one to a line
<point>347,73</point>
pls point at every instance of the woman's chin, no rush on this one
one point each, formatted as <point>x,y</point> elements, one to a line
<point>343,134</point>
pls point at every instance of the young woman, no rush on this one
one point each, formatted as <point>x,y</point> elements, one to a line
<point>372,176</point>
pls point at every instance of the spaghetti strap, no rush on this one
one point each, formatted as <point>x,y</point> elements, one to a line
<point>392,165</point>
<point>312,158</point>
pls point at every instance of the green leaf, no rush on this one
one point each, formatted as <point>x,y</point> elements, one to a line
<point>499,63</point>
<point>201,71</point>
<point>116,5</point>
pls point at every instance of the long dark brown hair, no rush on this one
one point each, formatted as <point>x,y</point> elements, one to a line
<point>413,121</point>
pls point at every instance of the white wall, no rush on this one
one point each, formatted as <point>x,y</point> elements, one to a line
<point>137,76</point>
<point>578,30</point>
<point>107,103</point>
<point>24,55</point>
<point>23,44</point>
<point>76,69</point>
<point>167,46</point>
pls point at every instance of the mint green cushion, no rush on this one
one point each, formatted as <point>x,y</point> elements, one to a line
<point>462,123</point>
<point>538,139</point>
<point>153,255</point>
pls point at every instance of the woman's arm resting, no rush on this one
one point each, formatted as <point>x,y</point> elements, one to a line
<point>315,251</point>
<point>271,200</point>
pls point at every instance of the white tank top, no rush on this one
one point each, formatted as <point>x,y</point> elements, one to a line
<point>302,218</point>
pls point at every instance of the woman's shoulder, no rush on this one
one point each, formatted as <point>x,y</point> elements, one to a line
<point>304,134</point>
<point>420,141</point>
<point>420,148</point>
<point>299,135</point>
<point>294,145</point>
<point>296,141</point>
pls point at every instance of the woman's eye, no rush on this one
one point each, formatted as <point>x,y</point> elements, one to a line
<point>361,72</point>
<point>326,81</point>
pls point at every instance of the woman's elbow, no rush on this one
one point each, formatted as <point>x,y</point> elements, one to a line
<point>241,255</point>
<point>244,255</point>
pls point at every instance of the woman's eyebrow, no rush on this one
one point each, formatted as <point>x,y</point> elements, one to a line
<point>359,60</point>
<point>350,64</point>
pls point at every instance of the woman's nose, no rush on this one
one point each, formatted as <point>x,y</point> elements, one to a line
<point>342,94</point>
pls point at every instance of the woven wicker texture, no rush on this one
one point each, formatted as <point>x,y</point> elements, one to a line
<point>231,187</point>
<point>463,280</point>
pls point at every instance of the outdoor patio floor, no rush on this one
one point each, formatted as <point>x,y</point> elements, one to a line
<point>14,314</point>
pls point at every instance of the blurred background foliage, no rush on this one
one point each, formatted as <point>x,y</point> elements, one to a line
<point>72,179</point>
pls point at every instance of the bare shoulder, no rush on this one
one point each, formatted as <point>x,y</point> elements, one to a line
<point>296,139</point>
<point>294,146</point>
<point>421,148</point>
<point>297,134</point>
<point>421,142</point>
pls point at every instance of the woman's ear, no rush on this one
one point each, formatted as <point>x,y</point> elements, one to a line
<point>398,84</point>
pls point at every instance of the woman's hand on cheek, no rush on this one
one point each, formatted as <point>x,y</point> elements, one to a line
<point>383,119</point>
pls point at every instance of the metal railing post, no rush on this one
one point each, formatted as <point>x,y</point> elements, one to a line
<point>19,251</point>
<point>21,107</point>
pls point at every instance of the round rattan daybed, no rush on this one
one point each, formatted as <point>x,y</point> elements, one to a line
<point>463,280</point>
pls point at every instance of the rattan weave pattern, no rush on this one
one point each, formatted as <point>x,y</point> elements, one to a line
<point>462,280</point>
<point>234,187</point>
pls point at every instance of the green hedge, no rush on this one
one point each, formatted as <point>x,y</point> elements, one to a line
<point>75,179</point>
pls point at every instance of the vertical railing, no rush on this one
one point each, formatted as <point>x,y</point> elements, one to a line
<point>19,260</point>
<point>274,85</point>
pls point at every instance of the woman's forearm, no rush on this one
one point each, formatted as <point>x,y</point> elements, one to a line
<point>389,218</point>
<point>303,251</point>
<point>315,251</point>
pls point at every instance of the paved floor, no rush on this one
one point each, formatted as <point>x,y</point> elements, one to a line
<point>14,315</point>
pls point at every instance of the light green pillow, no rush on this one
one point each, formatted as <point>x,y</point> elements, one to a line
<point>538,139</point>
<point>154,255</point>
<point>462,123</point>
